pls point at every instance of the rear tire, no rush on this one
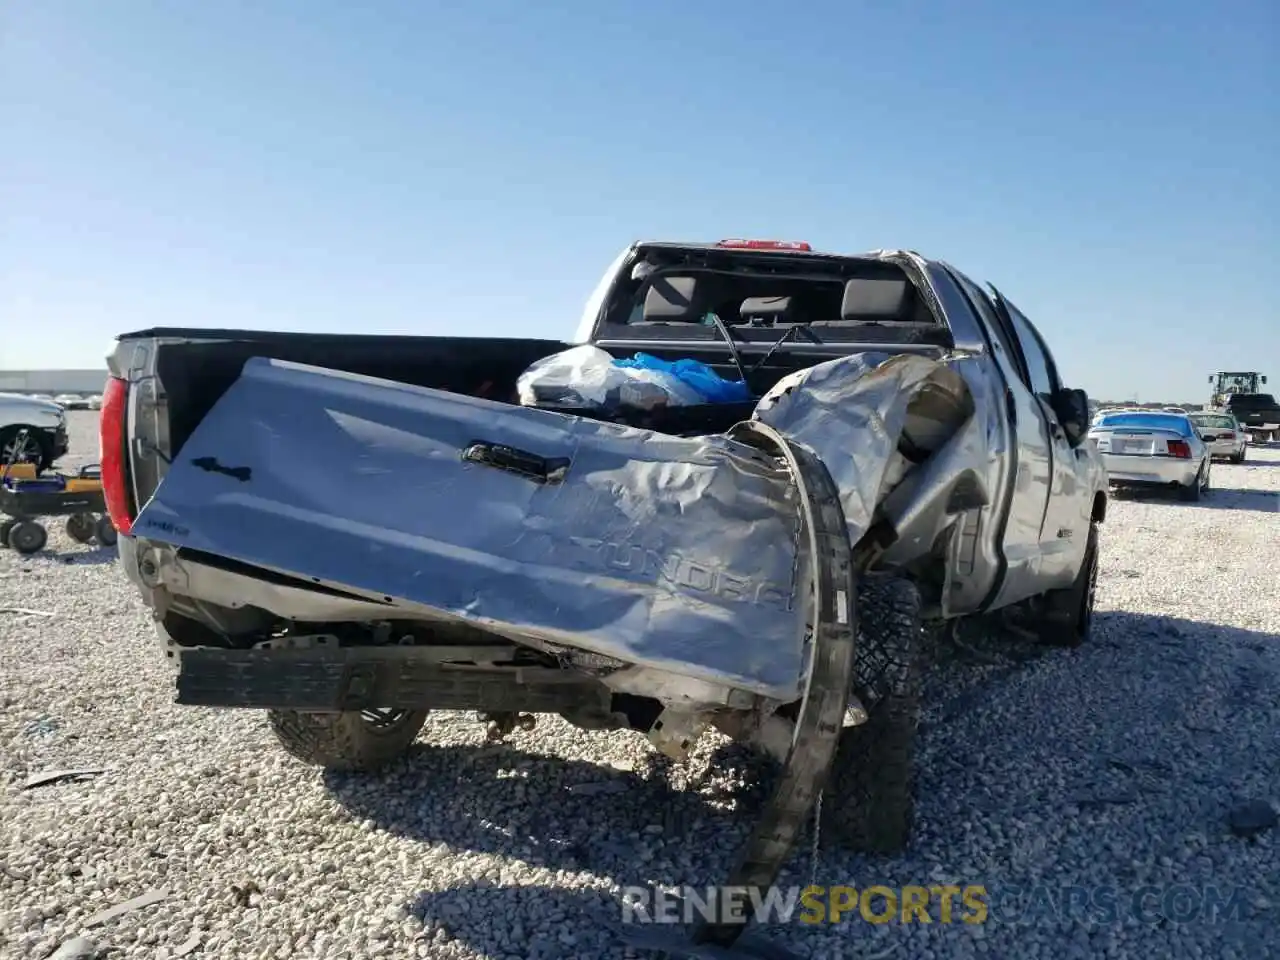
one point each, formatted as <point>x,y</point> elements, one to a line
<point>1193,493</point>
<point>1068,619</point>
<point>868,805</point>
<point>351,740</point>
<point>5,527</point>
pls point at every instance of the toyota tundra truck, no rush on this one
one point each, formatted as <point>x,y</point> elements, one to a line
<point>349,531</point>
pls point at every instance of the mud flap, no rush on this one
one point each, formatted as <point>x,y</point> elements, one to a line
<point>818,723</point>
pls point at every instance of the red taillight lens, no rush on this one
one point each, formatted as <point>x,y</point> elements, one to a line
<point>737,244</point>
<point>1180,449</point>
<point>111,451</point>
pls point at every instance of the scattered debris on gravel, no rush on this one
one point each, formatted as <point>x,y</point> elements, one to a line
<point>1147,760</point>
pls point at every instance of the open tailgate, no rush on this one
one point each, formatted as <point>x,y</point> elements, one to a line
<point>680,554</point>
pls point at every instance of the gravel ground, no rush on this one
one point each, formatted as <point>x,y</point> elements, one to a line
<point>1112,767</point>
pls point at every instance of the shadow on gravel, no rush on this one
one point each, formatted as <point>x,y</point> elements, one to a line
<point>567,923</point>
<point>1176,642</point>
<point>1151,765</point>
<point>563,814</point>
<point>1229,498</point>
<point>1219,498</point>
<point>88,558</point>
<point>91,557</point>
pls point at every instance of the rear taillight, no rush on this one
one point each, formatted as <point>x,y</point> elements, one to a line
<point>111,432</point>
<point>1180,449</point>
<point>736,244</point>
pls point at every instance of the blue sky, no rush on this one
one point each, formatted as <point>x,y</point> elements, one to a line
<point>418,167</point>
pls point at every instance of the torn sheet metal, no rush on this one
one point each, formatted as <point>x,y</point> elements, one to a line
<point>854,413</point>
<point>678,554</point>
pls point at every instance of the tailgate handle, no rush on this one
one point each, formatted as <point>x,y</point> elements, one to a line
<point>520,462</point>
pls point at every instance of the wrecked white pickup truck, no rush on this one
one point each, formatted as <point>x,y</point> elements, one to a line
<point>350,531</point>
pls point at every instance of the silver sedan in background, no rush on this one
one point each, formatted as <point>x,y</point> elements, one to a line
<point>1222,434</point>
<point>1153,450</point>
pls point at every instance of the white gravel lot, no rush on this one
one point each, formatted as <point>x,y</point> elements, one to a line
<point>1115,766</point>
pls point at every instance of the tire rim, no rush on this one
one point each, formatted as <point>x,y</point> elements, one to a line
<point>20,450</point>
<point>383,720</point>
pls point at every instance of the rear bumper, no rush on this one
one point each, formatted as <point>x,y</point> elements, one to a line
<point>361,678</point>
<point>1226,448</point>
<point>1150,471</point>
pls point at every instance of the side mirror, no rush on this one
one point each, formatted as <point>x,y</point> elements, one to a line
<point>1072,410</point>
<point>1211,379</point>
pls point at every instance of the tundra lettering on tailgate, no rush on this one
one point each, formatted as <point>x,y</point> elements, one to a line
<point>644,563</point>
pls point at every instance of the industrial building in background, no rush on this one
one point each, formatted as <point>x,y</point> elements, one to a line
<point>53,382</point>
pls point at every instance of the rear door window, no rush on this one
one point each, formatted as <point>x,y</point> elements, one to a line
<point>1040,365</point>
<point>1006,339</point>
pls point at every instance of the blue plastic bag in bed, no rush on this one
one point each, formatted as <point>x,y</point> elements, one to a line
<point>712,387</point>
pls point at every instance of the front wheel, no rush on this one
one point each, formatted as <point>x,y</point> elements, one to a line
<point>356,740</point>
<point>1068,619</point>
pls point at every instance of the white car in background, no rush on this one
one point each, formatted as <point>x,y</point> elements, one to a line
<point>1222,434</point>
<point>1154,450</point>
<point>31,431</point>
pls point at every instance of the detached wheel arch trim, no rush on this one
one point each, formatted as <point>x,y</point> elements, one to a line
<point>821,712</point>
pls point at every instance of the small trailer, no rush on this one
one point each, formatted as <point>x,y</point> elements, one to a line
<point>24,498</point>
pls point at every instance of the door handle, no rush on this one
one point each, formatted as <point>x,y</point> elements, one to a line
<point>520,462</point>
